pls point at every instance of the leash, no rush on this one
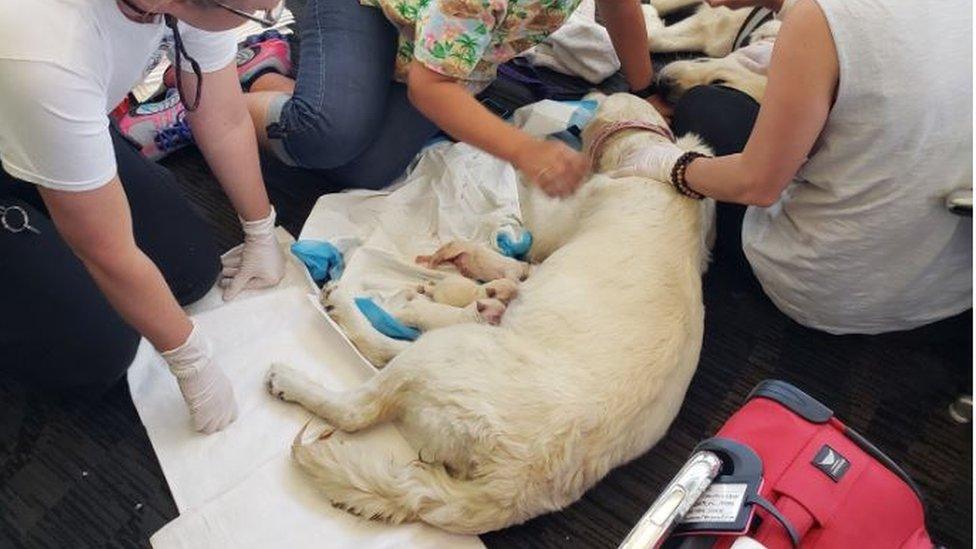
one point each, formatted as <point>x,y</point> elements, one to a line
<point>613,128</point>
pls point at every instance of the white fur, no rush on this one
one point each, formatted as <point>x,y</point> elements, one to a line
<point>709,30</point>
<point>586,371</point>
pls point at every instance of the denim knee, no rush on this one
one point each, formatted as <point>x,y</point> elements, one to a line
<point>320,138</point>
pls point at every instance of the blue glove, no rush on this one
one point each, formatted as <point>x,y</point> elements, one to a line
<point>514,245</point>
<point>322,259</point>
<point>384,321</point>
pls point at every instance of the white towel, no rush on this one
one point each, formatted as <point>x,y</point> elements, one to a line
<point>238,488</point>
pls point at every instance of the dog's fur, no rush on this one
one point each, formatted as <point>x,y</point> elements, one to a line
<point>586,371</point>
<point>711,31</point>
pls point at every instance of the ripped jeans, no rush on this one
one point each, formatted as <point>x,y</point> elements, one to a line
<point>347,117</point>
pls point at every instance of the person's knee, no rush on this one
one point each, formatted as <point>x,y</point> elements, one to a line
<point>721,116</point>
<point>326,137</point>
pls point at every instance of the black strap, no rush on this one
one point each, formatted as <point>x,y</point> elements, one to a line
<point>181,52</point>
<point>774,512</point>
<point>756,17</point>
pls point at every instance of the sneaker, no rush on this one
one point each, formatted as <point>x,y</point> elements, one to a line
<point>259,54</point>
<point>158,128</point>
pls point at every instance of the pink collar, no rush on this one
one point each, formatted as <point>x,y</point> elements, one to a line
<point>614,127</point>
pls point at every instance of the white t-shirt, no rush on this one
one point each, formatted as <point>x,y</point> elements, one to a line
<point>64,64</point>
<point>860,242</point>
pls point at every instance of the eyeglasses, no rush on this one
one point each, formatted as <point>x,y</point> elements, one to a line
<point>265,18</point>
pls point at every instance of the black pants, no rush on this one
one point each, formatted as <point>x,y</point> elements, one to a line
<point>57,331</point>
<point>723,118</point>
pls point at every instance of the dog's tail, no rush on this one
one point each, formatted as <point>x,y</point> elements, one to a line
<point>379,489</point>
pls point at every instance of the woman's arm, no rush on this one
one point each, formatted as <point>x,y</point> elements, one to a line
<point>803,76</point>
<point>223,130</point>
<point>97,226</point>
<point>553,166</point>
<point>625,23</point>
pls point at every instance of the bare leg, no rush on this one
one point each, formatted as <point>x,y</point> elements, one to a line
<point>273,82</point>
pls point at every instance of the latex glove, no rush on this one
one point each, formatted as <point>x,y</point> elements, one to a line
<point>553,166</point>
<point>653,161</point>
<point>206,390</point>
<point>257,263</point>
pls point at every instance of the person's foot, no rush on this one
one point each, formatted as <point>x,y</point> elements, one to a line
<point>258,55</point>
<point>157,128</point>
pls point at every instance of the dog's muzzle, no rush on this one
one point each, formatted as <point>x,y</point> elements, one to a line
<point>613,128</point>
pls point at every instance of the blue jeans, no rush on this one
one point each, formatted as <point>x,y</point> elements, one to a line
<point>347,117</point>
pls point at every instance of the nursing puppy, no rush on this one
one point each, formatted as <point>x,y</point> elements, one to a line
<point>586,370</point>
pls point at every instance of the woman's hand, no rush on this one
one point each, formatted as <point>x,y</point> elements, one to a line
<point>552,166</point>
<point>655,161</point>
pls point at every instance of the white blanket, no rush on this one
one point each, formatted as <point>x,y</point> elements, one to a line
<point>238,488</point>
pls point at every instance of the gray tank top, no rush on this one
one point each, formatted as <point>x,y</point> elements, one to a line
<point>860,241</point>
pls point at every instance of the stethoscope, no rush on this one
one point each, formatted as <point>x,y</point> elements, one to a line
<point>17,224</point>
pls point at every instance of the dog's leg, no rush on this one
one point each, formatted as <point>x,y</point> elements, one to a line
<point>685,35</point>
<point>349,411</point>
<point>376,347</point>
<point>476,261</point>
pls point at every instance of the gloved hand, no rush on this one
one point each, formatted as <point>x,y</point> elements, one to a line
<point>206,390</point>
<point>653,161</point>
<point>257,263</point>
<point>553,167</point>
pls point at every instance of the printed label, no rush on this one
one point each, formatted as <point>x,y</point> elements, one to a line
<point>719,503</point>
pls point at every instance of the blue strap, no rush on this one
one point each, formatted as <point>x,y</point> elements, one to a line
<point>384,321</point>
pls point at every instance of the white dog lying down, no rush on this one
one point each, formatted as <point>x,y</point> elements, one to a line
<point>586,370</point>
<point>711,31</point>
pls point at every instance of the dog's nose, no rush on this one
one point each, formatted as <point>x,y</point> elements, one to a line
<point>481,307</point>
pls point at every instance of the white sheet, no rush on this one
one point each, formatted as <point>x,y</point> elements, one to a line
<point>238,488</point>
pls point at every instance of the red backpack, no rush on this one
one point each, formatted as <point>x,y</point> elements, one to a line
<point>790,474</point>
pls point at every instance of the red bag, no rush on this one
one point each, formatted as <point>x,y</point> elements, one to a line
<point>822,485</point>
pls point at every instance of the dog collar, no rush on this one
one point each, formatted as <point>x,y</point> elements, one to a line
<point>613,128</point>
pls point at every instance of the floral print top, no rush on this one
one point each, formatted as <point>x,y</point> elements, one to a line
<point>468,39</point>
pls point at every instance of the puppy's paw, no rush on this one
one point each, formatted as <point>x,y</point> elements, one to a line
<point>490,310</point>
<point>286,383</point>
<point>503,289</point>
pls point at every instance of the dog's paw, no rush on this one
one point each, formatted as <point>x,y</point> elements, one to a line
<point>503,289</point>
<point>286,383</point>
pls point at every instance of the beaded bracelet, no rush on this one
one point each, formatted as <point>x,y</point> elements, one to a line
<point>678,175</point>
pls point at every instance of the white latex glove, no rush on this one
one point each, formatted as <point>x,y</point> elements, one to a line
<point>257,263</point>
<point>208,393</point>
<point>652,161</point>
